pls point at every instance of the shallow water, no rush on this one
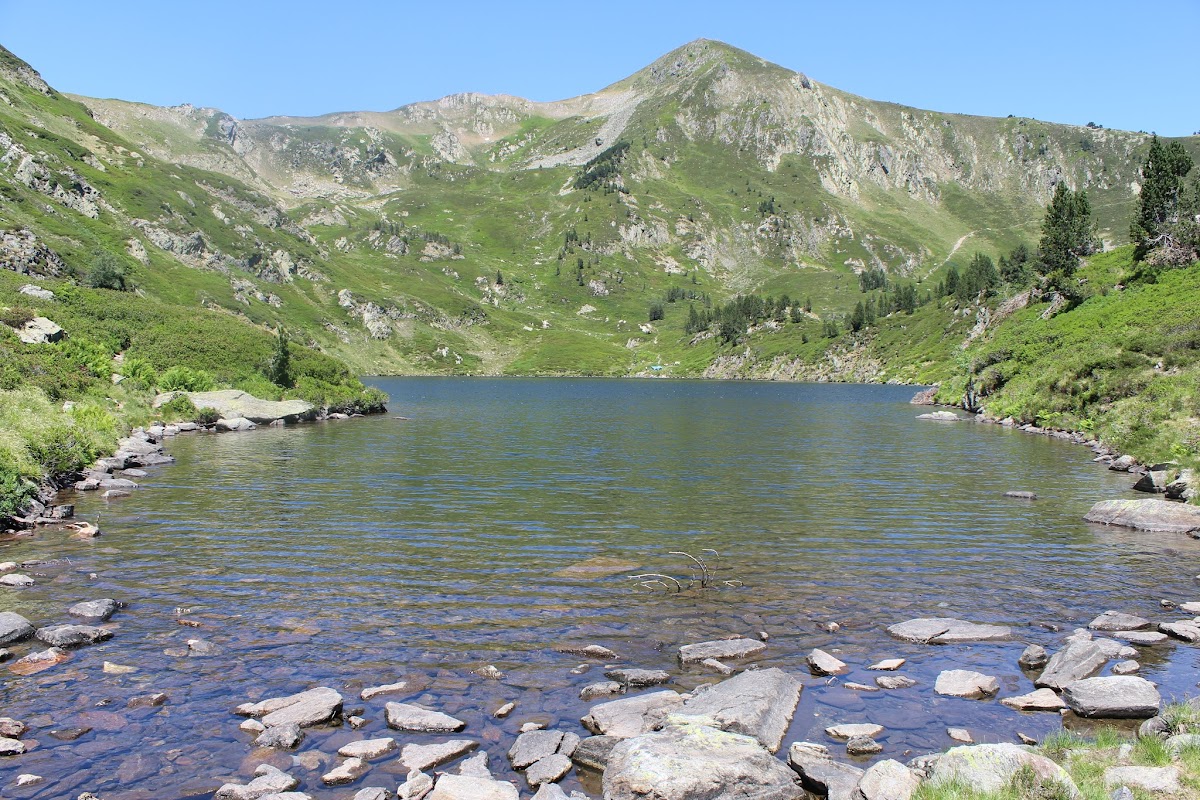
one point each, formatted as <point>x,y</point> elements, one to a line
<point>478,531</point>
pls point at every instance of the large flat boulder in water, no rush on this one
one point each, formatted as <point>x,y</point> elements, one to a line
<point>696,762</point>
<point>1113,697</point>
<point>1076,661</point>
<point>304,709</point>
<point>721,649</point>
<point>632,715</point>
<point>14,627</point>
<point>758,703</point>
<point>1147,515</point>
<point>947,630</point>
<point>233,404</point>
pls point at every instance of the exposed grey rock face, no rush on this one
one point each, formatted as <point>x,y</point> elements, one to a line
<point>232,403</point>
<point>409,717</point>
<point>1074,662</point>
<point>946,630</point>
<point>820,774</point>
<point>638,677</point>
<point>990,767</point>
<point>965,683</point>
<point>1147,515</point>
<point>1113,697</point>
<point>307,708</point>
<point>99,610</point>
<point>426,756</point>
<point>72,635</point>
<point>1119,621</point>
<point>631,716</point>
<point>36,292</point>
<point>14,627</point>
<point>758,703</point>
<point>593,751</point>
<point>822,663</point>
<point>887,780</point>
<point>696,762</point>
<point>465,787</point>
<point>533,746</point>
<point>268,780</point>
<point>1039,700</point>
<point>724,649</point>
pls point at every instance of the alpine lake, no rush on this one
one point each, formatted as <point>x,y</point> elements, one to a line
<point>490,521</point>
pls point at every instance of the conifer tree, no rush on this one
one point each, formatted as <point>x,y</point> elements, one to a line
<point>1159,200</point>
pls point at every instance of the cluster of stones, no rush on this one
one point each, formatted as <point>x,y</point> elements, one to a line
<point>116,474</point>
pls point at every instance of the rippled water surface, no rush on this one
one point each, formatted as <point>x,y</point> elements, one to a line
<point>485,521</point>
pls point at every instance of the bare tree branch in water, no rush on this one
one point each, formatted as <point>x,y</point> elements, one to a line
<point>703,569</point>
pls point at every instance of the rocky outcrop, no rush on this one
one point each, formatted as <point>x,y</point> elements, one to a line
<point>40,330</point>
<point>758,703</point>
<point>1159,516</point>
<point>991,767</point>
<point>236,404</point>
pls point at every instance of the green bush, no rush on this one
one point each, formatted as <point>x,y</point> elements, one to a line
<point>106,272</point>
<point>179,407</point>
<point>16,316</point>
<point>207,416</point>
<point>185,379</point>
<point>140,371</point>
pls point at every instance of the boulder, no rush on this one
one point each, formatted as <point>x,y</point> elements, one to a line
<point>268,780</point>
<point>14,627</point>
<point>548,770</point>
<point>631,716</point>
<point>39,330</point>
<point>947,630</point>
<point>991,767</point>
<point>863,746</point>
<point>409,717</point>
<point>602,689</point>
<point>1155,780</point>
<point>593,751</point>
<point>38,661</point>
<point>465,787</point>
<point>940,416</point>
<point>228,424</point>
<point>426,756</point>
<point>11,747</point>
<point>372,793</point>
<point>1038,700</point>
<point>232,403</point>
<point>1160,516</point>
<point>416,786</point>
<point>587,651</point>
<point>894,682</point>
<point>99,610</point>
<point>16,579</point>
<point>1033,657</point>
<point>758,703</point>
<point>638,677</point>
<point>37,292</point>
<point>1155,479</point>
<point>820,774</point>
<point>822,663</point>
<point>723,649</point>
<point>854,729</point>
<point>1074,662</point>
<point>887,780</point>
<point>368,749</point>
<point>1126,667</point>
<point>696,762</point>
<point>534,746</point>
<point>1185,629</point>
<point>284,737</point>
<point>307,708</point>
<point>1118,621</point>
<point>12,728</point>
<point>965,683</point>
<point>72,635</point>
<point>1113,697</point>
<point>348,771</point>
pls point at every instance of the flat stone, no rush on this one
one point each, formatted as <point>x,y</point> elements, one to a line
<point>348,771</point>
<point>631,716</point>
<point>306,708</point>
<point>94,609</point>
<point>722,649</point>
<point>851,730</point>
<point>587,651</point>
<point>960,735</point>
<point>888,664</point>
<point>476,766</point>
<point>860,687</point>
<point>1187,630</point>
<point>820,774</point>
<point>14,627</point>
<point>39,661</point>
<point>416,786</point>
<point>16,579</point>
<point>548,770</point>
<point>72,635</point>
<point>284,737</point>
<point>822,663</point>
<point>1033,657</point>
<point>534,746</point>
<point>12,728</point>
<point>758,703</point>
<point>1160,516</point>
<point>11,747</point>
<point>965,683</point>
<point>887,780</point>
<point>409,717</point>
<point>991,767</point>
<point>232,403</point>
<point>638,677</point>
<point>1119,621</point>
<point>602,689</point>
<point>1038,700</point>
<point>695,762</point>
<point>426,756</point>
<point>592,751</point>
<point>368,749</point>
<point>268,780</point>
<point>1156,780</point>
<point>1076,661</point>
<point>947,630</point>
<point>464,787</point>
<point>1126,667</point>
<point>1113,697</point>
<point>719,667</point>
<point>894,682</point>
<point>388,688</point>
<point>1141,638</point>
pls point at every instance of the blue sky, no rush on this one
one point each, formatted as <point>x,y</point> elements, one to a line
<point>1117,64</point>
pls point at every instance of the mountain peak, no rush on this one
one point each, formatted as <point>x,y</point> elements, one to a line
<point>13,69</point>
<point>699,57</point>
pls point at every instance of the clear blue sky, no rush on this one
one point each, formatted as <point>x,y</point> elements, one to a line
<point>1123,65</point>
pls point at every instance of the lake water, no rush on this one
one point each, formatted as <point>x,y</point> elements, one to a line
<point>485,521</point>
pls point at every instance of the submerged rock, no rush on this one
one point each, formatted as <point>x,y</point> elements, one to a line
<point>722,649</point>
<point>587,651</point>
<point>1147,515</point>
<point>39,661</point>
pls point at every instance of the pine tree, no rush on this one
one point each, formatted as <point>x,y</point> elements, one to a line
<point>1068,233</point>
<point>1158,202</point>
<point>279,371</point>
